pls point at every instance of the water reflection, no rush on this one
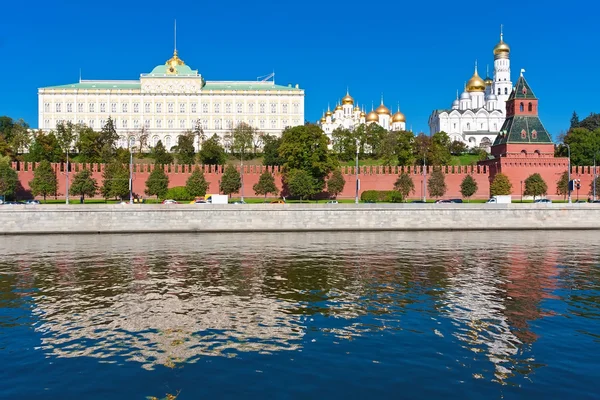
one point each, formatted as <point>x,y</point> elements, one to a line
<point>173,299</point>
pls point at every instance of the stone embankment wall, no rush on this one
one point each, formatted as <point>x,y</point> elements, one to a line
<point>371,178</point>
<point>136,219</point>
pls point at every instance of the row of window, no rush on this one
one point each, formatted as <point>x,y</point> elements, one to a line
<point>171,124</point>
<point>171,107</point>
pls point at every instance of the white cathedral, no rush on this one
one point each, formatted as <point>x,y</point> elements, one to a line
<point>348,116</point>
<point>478,114</point>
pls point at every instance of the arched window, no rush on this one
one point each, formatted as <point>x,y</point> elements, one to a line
<point>537,153</point>
<point>131,141</point>
<point>524,153</point>
<point>523,134</point>
<point>499,92</point>
<point>155,140</point>
<point>168,143</point>
<point>530,107</point>
<point>534,134</point>
<point>521,107</point>
<point>468,126</point>
<point>505,90</point>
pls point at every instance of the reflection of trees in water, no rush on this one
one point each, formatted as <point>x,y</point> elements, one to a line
<point>165,298</point>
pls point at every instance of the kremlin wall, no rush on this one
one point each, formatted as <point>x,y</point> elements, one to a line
<point>371,178</point>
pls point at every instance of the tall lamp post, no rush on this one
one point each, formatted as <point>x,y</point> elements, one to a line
<point>595,174</point>
<point>424,181</point>
<point>242,172</point>
<point>569,174</point>
<point>521,191</point>
<point>356,171</point>
<point>67,175</point>
<point>130,174</point>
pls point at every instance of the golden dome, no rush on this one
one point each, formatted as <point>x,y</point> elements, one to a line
<point>488,81</point>
<point>323,119</point>
<point>357,108</point>
<point>328,113</point>
<point>338,107</point>
<point>502,50</point>
<point>347,99</point>
<point>475,84</point>
<point>382,109</point>
<point>398,117</point>
<point>372,117</point>
<point>174,61</point>
<point>363,114</point>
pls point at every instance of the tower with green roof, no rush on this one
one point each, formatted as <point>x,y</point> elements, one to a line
<point>522,134</point>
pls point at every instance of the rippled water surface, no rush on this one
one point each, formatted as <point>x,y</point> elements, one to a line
<point>320,315</point>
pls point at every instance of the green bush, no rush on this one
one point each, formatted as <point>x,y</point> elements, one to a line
<point>390,196</point>
<point>178,193</point>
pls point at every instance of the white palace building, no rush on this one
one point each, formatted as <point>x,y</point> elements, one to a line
<point>476,117</point>
<point>168,101</point>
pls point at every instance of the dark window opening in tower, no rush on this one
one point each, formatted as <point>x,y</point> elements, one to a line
<point>505,90</point>
<point>530,107</point>
<point>499,92</point>
<point>521,107</point>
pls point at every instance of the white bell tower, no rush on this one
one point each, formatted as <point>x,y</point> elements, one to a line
<point>502,85</point>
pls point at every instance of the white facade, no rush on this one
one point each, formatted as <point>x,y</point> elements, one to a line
<point>348,116</point>
<point>478,114</point>
<point>168,101</point>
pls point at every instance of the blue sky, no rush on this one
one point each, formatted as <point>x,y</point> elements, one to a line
<point>417,53</point>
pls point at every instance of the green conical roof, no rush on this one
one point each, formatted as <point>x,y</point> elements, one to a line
<point>523,129</point>
<point>522,90</point>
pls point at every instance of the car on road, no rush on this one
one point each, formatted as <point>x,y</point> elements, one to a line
<point>543,201</point>
<point>169,201</point>
<point>418,201</point>
<point>239,202</point>
<point>332,202</point>
<point>456,201</point>
<point>580,201</point>
<point>277,202</point>
<point>32,202</point>
<point>443,201</point>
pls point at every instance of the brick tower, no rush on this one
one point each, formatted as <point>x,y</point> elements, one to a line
<point>523,146</point>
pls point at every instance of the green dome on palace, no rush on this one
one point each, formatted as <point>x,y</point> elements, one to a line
<point>174,66</point>
<point>178,70</point>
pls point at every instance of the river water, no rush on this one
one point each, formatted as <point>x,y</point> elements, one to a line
<point>308,315</point>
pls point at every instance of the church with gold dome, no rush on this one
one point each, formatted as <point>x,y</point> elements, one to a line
<point>476,116</point>
<point>170,100</point>
<point>348,115</point>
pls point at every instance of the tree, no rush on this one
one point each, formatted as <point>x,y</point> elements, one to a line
<point>373,134</point>
<point>271,151</point>
<point>597,180</point>
<point>88,145</point>
<point>300,183</point>
<point>242,139</point>
<point>387,147</point>
<point>186,154</point>
<point>584,145</point>
<point>405,148</point>
<point>212,153</point>
<point>574,121</point>
<point>196,185</point>
<point>457,148</point>
<point>157,183</point>
<point>231,181</point>
<point>160,154</point>
<point>500,185</point>
<point>405,185</point>
<point>9,179</point>
<point>535,186</point>
<point>562,185</point>
<point>591,122</point>
<point>305,148</point>
<point>344,143</point>
<point>468,186</point>
<point>436,184</point>
<point>107,141</point>
<point>5,149</point>
<point>21,139</point>
<point>66,133</point>
<point>83,185</point>
<point>336,183</point>
<point>45,147</point>
<point>115,181</point>
<point>440,145</point>
<point>265,185</point>
<point>44,181</point>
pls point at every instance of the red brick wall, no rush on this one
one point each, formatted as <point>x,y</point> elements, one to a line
<point>371,178</point>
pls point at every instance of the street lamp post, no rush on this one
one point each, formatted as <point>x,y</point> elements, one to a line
<point>424,181</point>
<point>569,174</point>
<point>595,175</point>
<point>130,175</point>
<point>356,171</point>
<point>67,175</point>
<point>242,173</point>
